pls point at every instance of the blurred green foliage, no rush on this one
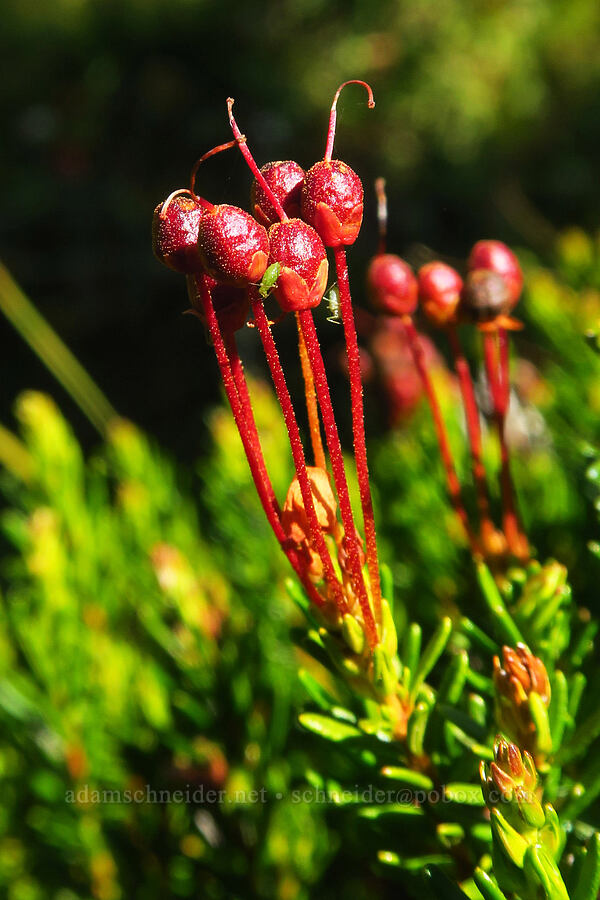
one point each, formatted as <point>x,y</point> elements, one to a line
<point>144,634</point>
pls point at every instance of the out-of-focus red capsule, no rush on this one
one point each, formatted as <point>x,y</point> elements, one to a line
<point>498,258</point>
<point>440,289</point>
<point>391,285</point>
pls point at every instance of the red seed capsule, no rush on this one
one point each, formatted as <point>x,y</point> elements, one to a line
<point>440,289</point>
<point>233,247</point>
<point>175,233</point>
<point>332,202</point>
<point>300,252</point>
<point>391,285</point>
<point>497,257</point>
<point>285,180</point>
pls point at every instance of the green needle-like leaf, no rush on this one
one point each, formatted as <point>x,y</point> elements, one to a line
<point>588,884</point>
<point>505,624</point>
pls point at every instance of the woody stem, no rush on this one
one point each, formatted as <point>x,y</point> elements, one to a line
<point>452,481</point>
<point>262,482</point>
<point>473,430</point>
<point>339,474</point>
<point>358,425</point>
<point>311,401</point>
<point>285,401</point>
<point>495,353</point>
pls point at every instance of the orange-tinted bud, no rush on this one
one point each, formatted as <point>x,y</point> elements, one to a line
<point>294,519</point>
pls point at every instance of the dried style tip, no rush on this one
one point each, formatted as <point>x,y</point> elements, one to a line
<point>333,112</point>
<point>497,257</point>
<point>304,268</point>
<point>175,227</point>
<point>440,289</point>
<point>391,285</point>
<point>285,179</point>
<point>233,247</point>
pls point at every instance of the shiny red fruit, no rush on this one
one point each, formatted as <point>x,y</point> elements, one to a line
<point>391,285</point>
<point>175,234</point>
<point>285,178</point>
<point>497,257</point>
<point>440,289</point>
<point>304,268</point>
<point>332,202</point>
<point>232,245</point>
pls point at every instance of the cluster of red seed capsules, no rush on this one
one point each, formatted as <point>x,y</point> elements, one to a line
<point>232,260</point>
<point>484,299</point>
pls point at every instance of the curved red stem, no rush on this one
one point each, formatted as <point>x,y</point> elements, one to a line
<point>339,474</point>
<point>333,113</point>
<point>285,401</point>
<point>261,480</point>
<point>218,149</point>
<point>245,151</point>
<point>358,425</point>
<point>452,481</point>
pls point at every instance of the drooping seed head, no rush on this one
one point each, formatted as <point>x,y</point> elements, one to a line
<point>497,257</point>
<point>332,202</point>
<point>285,180</point>
<point>440,289</point>
<point>304,268</point>
<point>485,296</point>
<point>233,246</point>
<point>391,285</point>
<point>175,226</point>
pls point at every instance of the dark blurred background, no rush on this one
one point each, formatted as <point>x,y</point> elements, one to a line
<point>487,124</point>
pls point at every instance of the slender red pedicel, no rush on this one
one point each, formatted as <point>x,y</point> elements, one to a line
<point>339,474</point>
<point>263,488</point>
<point>358,425</point>
<point>237,370</point>
<point>453,483</point>
<point>285,401</point>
